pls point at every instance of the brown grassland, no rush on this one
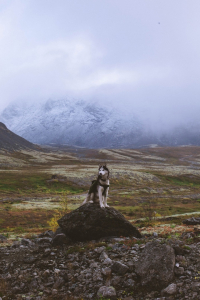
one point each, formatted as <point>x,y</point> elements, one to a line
<point>144,184</point>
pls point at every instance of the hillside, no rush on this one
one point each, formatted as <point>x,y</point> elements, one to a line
<point>11,141</point>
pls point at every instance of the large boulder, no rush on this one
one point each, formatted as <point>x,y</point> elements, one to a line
<point>90,222</point>
<point>155,266</point>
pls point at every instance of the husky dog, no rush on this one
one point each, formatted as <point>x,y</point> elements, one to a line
<point>98,191</point>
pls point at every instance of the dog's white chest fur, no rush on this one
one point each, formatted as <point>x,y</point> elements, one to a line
<point>98,191</point>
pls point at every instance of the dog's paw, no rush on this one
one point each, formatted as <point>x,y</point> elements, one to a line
<point>107,205</point>
<point>102,206</point>
<point>91,201</point>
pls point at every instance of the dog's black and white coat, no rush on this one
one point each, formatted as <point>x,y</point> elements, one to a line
<point>98,191</point>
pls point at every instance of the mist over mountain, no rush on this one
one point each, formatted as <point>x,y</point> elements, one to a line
<point>90,125</point>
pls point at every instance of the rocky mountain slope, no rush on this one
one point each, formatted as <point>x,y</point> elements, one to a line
<point>11,141</point>
<point>88,125</point>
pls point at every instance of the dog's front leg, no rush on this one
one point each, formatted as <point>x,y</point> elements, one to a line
<point>105,198</point>
<point>91,198</point>
<point>100,192</point>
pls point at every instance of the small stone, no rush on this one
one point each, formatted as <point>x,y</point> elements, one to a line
<point>133,252</point>
<point>56,271</point>
<point>100,249</point>
<point>44,240</point>
<point>60,239</point>
<point>196,286</point>
<point>8,276</point>
<point>116,280</point>
<point>188,272</point>
<point>192,221</point>
<point>177,265</point>
<point>170,290</point>
<point>106,271</point>
<point>180,284</point>
<point>97,277</point>
<point>26,242</point>
<point>54,292</point>
<point>46,273</point>
<point>194,295</point>
<point>103,256</point>
<point>107,261</point>
<point>48,233</point>
<point>106,291</point>
<point>93,265</point>
<point>29,259</point>
<point>130,265</point>
<point>15,244</point>
<point>47,251</point>
<point>59,282</point>
<point>129,283</point>
<point>179,271</point>
<point>22,247</point>
<point>142,247</point>
<point>119,268</point>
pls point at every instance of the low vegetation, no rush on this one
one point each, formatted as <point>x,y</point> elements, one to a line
<point>37,188</point>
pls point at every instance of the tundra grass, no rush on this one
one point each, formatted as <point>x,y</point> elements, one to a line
<point>143,183</point>
<point>28,184</point>
<point>22,221</point>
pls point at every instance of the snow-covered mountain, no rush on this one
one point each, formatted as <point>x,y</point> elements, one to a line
<point>73,123</point>
<point>91,125</point>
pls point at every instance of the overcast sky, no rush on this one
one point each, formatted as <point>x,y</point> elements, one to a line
<point>140,54</point>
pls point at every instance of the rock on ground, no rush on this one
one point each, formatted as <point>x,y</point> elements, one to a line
<point>192,221</point>
<point>119,268</point>
<point>90,222</point>
<point>170,290</point>
<point>60,239</point>
<point>155,265</point>
<point>106,291</point>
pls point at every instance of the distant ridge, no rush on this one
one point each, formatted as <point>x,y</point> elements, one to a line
<point>11,141</point>
<point>74,123</point>
<point>92,125</point>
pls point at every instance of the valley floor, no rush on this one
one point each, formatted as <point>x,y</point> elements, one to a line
<point>36,187</point>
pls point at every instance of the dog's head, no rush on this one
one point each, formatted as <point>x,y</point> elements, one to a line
<point>103,171</point>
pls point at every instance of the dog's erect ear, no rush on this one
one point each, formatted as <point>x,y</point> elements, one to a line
<point>104,165</point>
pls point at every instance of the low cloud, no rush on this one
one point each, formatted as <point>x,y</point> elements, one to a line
<point>142,57</point>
